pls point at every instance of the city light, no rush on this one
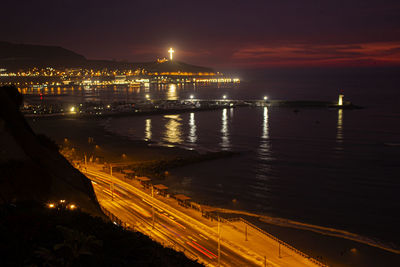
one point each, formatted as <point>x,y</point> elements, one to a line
<point>72,109</point>
<point>72,207</point>
<point>191,96</point>
<point>224,96</point>
<point>147,96</point>
<point>51,205</point>
<point>265,97</point>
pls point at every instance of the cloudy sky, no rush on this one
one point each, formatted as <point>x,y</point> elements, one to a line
<point>237,34</point>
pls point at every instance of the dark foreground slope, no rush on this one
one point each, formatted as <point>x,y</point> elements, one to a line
<point>33,174</point>
<point>33,235</point>
<point>31,167</point>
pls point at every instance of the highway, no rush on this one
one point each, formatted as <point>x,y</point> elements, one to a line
<point>169,227</point>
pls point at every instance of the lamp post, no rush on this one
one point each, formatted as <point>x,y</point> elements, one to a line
<point>111,184</point>
<point>152,206</point>
<point>219,243</point>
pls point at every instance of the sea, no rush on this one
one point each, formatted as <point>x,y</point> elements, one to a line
<point>327,167</point>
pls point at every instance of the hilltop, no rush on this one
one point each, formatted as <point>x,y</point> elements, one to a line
<point>22,56</point>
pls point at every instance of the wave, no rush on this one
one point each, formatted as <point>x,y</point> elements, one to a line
<point>317,229</point>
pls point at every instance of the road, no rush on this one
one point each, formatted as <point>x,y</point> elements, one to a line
<point>171,228</point>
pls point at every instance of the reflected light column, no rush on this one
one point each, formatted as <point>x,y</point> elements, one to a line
<point>264,154</point>
<point>172,94</point>
<point>173,131</point>
<point>339,132</point>
<point>225,143</point>
<point>264,150</point>
<point>147,131</point>
<point>192,129</point>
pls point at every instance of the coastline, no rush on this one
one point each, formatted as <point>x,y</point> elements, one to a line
<point>334,250</point>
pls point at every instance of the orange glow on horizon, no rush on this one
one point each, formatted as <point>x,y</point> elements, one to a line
<point>363,54</point>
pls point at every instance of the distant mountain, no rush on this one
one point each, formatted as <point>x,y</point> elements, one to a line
<point>25,55</point>
<point>22,56</point>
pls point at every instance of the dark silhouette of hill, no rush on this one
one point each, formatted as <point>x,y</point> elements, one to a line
<point>32,235</point>
<point>13,56</point>
<point>31,168</point>
<point>33,174</point>
<point>21,56</point>
<point>175,66</point>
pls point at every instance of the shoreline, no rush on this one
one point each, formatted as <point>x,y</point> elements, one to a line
<point>322,230</point>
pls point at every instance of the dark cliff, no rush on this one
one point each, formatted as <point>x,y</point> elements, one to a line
<point>31,167</point>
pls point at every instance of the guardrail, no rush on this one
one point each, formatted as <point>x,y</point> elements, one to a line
<point>313,260</point>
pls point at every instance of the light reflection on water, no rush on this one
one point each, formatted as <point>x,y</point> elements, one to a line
<point>225,142</point>
<point>339,132</point>
<point>147,132</point>
<point>172,94</point>
<point>263,172</point>
<point>173,129</point>
<point>264,149</point>
<point>192,129</point>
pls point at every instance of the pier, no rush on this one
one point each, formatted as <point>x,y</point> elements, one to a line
<point>150,106</point>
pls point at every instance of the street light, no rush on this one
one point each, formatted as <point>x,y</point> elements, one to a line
<point>191,96</point>
<point>265,97</point>
<point>224,96</point>
<point>147,96</point>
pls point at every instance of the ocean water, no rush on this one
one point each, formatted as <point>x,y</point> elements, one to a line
<point>335,168</point>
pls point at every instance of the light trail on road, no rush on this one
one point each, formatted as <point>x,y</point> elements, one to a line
<point>132,208</point>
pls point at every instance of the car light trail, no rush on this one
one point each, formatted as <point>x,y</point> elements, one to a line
<point>199,249</point>
<point>140,210</point>
<point>203,236</point>
<point>180,225</point>
<point>205,249</point>
<point>178,235</point>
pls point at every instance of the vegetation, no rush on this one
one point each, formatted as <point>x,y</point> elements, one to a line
<point>32,234</point>
<point>159,168</point>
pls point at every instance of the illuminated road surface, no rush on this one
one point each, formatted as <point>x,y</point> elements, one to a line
<point>175,228</point>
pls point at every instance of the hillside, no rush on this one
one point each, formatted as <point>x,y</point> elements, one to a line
<point>33,233</point>
<point>31,167</point>
<point>22,56</point>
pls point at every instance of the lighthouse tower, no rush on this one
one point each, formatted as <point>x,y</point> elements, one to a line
<point>340,101</point>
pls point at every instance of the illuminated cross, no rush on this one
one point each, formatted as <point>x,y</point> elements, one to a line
<point>171,51</point>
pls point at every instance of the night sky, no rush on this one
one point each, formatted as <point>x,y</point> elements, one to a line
<point>237,34</point>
